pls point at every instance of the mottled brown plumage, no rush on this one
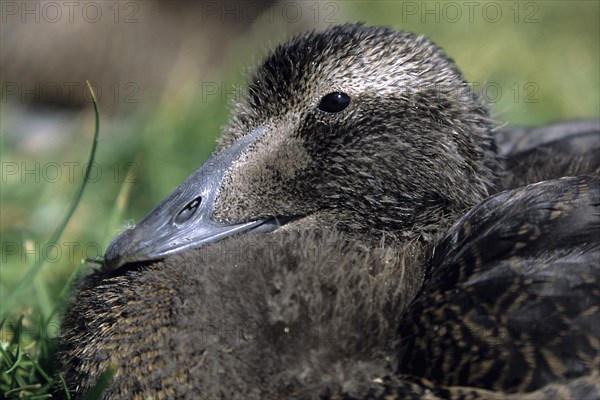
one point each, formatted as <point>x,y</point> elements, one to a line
<point>369,291</point>
<point>532,155</point>
<point>304,316</point>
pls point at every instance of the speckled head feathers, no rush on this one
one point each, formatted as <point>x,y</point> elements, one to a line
<point>414,144</point>
<point>364,129</point>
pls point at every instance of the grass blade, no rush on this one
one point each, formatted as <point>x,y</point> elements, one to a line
<point>28,278</point>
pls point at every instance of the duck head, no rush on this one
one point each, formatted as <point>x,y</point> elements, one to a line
<point>363,128</point>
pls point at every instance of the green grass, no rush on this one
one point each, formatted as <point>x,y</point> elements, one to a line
<point>24,360</point>
<point>164,142</point>
<point>26,363</point>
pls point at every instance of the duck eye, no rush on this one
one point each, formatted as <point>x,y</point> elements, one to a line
<point>334,102</point>
<point>188,210</point>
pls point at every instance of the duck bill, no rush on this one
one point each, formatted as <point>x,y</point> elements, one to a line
<point>184,219</point>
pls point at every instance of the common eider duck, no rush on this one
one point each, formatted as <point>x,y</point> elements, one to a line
<point>359,233</point>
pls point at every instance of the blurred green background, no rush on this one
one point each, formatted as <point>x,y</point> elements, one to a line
<point>168,72</point>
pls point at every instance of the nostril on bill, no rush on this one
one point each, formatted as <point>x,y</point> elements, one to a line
<point>188,211</point>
